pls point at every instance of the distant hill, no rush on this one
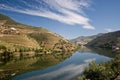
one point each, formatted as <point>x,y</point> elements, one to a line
<point>83,40</point>
<point>15,37</point>
<point>109,40</point>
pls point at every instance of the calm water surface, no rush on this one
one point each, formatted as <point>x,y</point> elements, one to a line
<point>68,69</point>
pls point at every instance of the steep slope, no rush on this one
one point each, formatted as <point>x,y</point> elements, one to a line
<point>109,40</point>
<point>15,36</point>
<point>82,40</point>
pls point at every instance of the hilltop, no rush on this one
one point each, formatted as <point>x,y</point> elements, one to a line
<point>83,40</point>
<point>17,37</point>
<point>109,40</point>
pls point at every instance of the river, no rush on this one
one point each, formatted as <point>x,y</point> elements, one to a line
<point>62,67</point>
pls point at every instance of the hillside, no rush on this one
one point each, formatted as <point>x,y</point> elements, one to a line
<point>15,36</point>
<point>109,40</point>
<point>82,40</point>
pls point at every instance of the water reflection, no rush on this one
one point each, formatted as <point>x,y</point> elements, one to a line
<point>64,73</point>
<point>100,51</point>
<point>12,64</point>
<point>64,66</point>
<point>84,49</point>
<point>72,69</point>
<point>5,57</point>
<point>69,69</point>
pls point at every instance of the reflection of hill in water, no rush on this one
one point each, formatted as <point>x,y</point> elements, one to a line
<point>11,66</point>
<point>105,52</point>
<point>84,49</point>
<point>100,51</point>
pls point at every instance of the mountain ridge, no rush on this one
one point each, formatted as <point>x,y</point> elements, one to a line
<point>15,36</point>
<point>109,40</point>
<point>83,40</point>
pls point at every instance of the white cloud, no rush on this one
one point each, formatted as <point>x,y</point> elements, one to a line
<point>108,30</point>
<point>65,11</point>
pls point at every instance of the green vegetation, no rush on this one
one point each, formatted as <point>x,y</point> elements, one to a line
<point>107,70</point>
<point>16,37</point>
<point>17,41</point>
<point>109,41</point>
<point>46,40</point>
<point>103,71</point>
<point>25,48</point>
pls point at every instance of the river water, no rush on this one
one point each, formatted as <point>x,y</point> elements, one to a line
<point>68,68</point>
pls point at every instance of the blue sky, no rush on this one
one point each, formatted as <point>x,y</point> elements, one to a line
<point>69,18</point>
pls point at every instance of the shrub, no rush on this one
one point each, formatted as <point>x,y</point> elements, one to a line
<point>103,71</point>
